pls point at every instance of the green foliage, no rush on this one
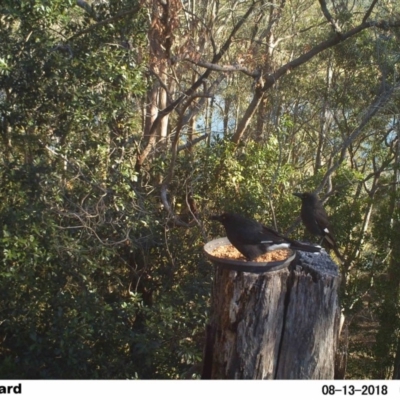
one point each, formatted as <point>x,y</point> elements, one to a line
<point>88,290</point>
<point>243,183</point>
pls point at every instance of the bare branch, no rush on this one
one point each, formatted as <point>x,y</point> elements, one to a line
<point>162,84</point>
<point>248,115</point>
<point>153,129</point>
<point>369,11</point>
<point>164,199</point>
<point>223,68</point>
<point>183,120</point>
<point>190,144</point>
<point>272,78</point>
<point>329,17</point>
<point>376,105</point>
<point>200,21</point>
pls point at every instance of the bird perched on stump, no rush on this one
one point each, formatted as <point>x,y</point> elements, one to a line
<point>253,239</point>
<point>315,219</point>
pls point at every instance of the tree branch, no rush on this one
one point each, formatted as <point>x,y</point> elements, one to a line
<point>153,129</point>
<point>272,78</point>
<point>248,115</point>
<point>329,17</point>
<point>376,105</point>
<point>223,68</point>
<point>369,11</point>
<point>190,144</point>
<point>182,121</point>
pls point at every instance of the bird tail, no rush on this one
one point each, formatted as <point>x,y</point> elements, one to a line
<point>330,244</point>
<point>338,255</point>
<point>309,248</point>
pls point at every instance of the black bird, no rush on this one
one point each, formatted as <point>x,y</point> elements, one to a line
<point>316,221</point>
<point>253,239</point>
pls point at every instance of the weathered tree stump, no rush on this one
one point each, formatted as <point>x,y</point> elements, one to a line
<point>275,325</point>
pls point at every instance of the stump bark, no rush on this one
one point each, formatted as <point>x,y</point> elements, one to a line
<point>275,325</point>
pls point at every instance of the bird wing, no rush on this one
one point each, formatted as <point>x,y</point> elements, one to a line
<point>269,235</point>
<point>245,234</point>
<point>282,241</point>
<point>257,236</point>
<point>247,238</point>
<point>321,218</point>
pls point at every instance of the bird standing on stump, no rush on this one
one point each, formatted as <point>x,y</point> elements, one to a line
<point>315,219</point>
<point>253,239</point>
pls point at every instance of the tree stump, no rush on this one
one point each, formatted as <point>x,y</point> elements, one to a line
<point>275,325</point>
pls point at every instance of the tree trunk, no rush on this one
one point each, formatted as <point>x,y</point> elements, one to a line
<point>248,115</point>
<point>275,325</point>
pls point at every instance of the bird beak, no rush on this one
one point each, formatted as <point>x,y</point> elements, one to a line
<point>298,194</point>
